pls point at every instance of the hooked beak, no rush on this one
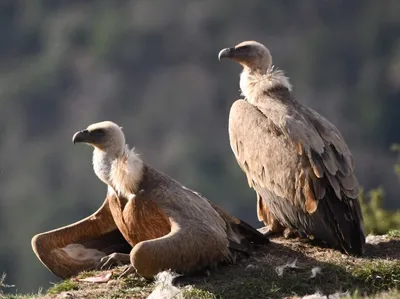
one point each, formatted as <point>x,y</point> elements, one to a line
<point>225,53</point>
<point>81,136</point>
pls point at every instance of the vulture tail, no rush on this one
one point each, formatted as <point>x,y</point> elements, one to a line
<point>344,220</point>
<point>241,228</point>
<point>250,233</point>
<point>336,222</point>
<point>249,239</point>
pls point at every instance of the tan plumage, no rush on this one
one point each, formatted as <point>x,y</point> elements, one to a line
<point>77,247</point>
<point>295,159</point>
<point>167,225</point>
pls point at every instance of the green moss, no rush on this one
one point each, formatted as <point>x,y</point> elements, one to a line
<point>372,276</point>
<point>135,282</point>
<point>18,296</point>
<point>379,275</point>
<point>390,294</point>
<point>394,233</point>
<point>198,294</point>
<point>86,274</point>
<point>64,286</point>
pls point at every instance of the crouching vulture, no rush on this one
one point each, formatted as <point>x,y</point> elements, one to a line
<point>148,220</point>
<point>295,159</point>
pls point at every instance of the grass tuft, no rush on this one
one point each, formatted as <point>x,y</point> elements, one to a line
<point>198,294</point>
<point>394,233</point>
<point>379,275</point>
<point>64,286</point>
<point>375,275</point>
<point>390,294</point>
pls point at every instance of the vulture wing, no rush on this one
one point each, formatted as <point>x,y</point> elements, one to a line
<point>77,247</point>
<point>301,169</point>
<point>241,235</point>
<point>201,233</point>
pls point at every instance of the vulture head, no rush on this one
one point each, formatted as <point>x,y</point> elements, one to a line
<point>113,162</point>
<point>105,136</point>
<point>250,54</point>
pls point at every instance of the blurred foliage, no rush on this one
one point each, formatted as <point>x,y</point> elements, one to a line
<point>396,148</point>
<point>394,233</point>
<point>377,220</point>
<point>152,67</point>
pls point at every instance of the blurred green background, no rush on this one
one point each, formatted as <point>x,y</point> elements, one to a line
<point>152,67</point>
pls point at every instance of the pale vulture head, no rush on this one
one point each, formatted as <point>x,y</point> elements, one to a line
<point>250,54</point>
<point>105,136</point>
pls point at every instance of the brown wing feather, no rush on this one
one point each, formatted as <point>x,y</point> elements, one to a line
<point>302,156</point>
<point>258,144</point>
<point>247,234</point>
<point>86,240</point>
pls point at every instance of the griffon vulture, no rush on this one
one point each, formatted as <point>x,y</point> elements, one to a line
<point>295,159</point>
<point>166,225</point>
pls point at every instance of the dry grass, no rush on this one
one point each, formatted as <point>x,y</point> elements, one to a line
<point>376,275</point>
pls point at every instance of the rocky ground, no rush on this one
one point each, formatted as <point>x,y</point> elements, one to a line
<point>283,269</point>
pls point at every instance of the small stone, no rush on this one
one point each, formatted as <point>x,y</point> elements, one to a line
<point>66,295</point>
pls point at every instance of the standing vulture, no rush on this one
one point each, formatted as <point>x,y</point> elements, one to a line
<point>295,159</point>
<point>166,225</point>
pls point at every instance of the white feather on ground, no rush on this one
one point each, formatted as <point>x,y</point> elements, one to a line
<point>164,288</point>
<point>330,296</point>
<point>315,271</point>
<point>279,270</point>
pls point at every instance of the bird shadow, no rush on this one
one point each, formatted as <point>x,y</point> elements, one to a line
<point>290,267</point>
<point>384,250</point>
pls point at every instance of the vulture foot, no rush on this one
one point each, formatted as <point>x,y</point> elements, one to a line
<point>187,279</point>
<point>267,232</point>
<point>127,271</point>
<point>289,233</point>
<point>112,260</point>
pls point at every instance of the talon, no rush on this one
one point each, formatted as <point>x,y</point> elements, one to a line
<point>128,270</point>
<point>267,232</point>
<point>112,260</point>
<point>290,233</point>
<point>271,234</point>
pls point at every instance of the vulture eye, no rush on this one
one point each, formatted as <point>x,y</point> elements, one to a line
<point>244,48</point>
<point>98,133</point>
